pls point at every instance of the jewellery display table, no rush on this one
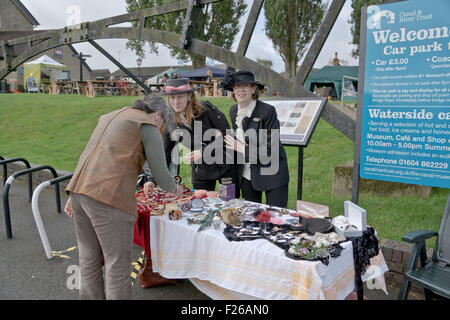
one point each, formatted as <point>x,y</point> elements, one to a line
<point>254,269</point>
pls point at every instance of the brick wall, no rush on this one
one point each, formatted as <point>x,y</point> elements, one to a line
<point>397,256</point>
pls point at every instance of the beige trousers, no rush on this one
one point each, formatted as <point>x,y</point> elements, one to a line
<point>104,236</point>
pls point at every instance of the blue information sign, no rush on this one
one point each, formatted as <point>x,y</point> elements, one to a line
<point>406,103</point>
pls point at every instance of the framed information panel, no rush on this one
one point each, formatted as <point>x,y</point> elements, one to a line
<point>298,118</point>
<point>405,63</point>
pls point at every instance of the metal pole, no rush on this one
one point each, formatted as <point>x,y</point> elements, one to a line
<point>81,65</point>
<point>58,198</point>
<point>300,173</point>
<point>27,164</point>
<point>359,108</point>
<point>37,213</point>
<point>6,208</point>
<point>121,67</point>
<point>38,219</point>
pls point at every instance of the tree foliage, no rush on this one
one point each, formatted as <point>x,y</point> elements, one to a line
<point>218,24</point>
<point>355,21</point>
<point>265,62</point>
<point>291,25</point>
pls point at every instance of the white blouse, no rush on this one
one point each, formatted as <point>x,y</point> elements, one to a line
<point>241,114</point>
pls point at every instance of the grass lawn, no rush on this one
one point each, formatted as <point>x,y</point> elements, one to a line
<point>53,130</point>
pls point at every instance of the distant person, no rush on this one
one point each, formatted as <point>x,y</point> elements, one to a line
<point>336,60</point>
<point>165,77</point>
<point>174,76</point>
<point>121,85</point>
<point>209,76</point>
<point>120,82</point>
<point>102,198</point>
<point>112,85</point>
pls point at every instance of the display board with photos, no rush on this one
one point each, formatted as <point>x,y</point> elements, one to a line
<point>298,118</point>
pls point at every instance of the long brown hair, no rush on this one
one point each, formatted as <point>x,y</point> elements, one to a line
<point>193,110</point>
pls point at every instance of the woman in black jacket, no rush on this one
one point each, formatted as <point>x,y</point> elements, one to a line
<point>262,161</point>
<point>194,118</point>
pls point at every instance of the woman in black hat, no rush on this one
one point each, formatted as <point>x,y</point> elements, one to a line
<point>262,161</point>
<point>195,117</point>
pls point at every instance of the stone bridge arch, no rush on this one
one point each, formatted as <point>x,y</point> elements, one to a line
<point>30,46</point>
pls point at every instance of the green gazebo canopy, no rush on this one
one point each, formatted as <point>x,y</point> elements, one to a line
<point>170,73</point>
<point>332,75</point>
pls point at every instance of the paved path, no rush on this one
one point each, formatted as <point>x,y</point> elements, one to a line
<point>26,273</point>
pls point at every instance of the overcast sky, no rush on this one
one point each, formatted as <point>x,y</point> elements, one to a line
<point>55,14</point>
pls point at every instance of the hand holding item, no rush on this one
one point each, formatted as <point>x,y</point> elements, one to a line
<point>194,155</point>
<point>148,186</point>
<point>232,143</point>
<point>68,209</point>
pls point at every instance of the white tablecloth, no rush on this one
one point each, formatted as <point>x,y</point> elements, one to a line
<point>225,269</point>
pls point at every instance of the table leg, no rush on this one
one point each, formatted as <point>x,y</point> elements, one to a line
<point>359,286</point>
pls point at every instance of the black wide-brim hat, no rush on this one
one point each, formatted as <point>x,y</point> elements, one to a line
<point>239,77</point>
<point>175,86</point>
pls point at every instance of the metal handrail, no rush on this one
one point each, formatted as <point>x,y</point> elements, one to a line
<point>27,164</point>
<point>6,194</point>
<point>37,214</point>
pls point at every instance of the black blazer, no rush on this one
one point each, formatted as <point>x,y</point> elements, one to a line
<point>264,116</point>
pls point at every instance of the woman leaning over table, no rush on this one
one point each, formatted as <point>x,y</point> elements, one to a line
<point>102,198</point>
<point>189,113</point>
<point>262,161</point>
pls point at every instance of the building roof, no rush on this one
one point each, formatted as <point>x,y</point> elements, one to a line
<point>26,12</point>
<point>202,73</point>
<point>105,73</point>
<point>146,71</point>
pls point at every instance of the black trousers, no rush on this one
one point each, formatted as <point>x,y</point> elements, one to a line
<point>210,184</point>
<point>277,197</point>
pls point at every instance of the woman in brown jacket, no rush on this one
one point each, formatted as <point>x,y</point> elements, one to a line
<point>102,198</point>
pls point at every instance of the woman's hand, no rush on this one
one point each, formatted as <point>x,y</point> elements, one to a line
<point>68,209</point>
<point>232,143</point>
<point>193,156</point>
<point>148,186</point>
